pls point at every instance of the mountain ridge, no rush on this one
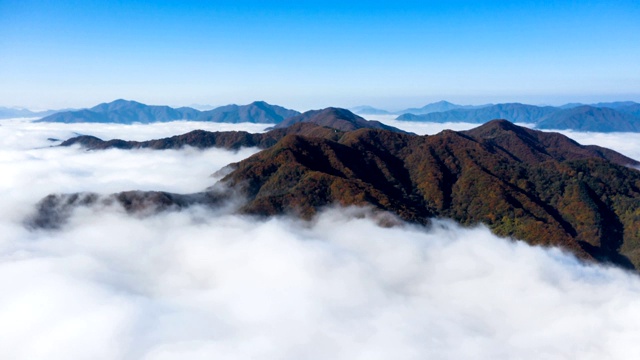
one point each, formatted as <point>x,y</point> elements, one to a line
<point>127,111</point>
<point>326,123</point>
<point>607,117</point>
<point>540,187</point>
<point>617,116</point>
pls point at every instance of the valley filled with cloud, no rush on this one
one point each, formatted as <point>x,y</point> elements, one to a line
<point>204,283</point>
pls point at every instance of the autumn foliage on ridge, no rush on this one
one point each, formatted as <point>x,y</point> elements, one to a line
<point>540,187</point>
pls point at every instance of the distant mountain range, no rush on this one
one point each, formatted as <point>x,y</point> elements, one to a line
<point>601,117</point>
<point>543,188</point>
<point>128,112</point>
<point>9,113</point>
<point>439,106</point>
<point>621,116</point>
<point>513,112</point>
<point>590,118</point>
<point>326,123</point>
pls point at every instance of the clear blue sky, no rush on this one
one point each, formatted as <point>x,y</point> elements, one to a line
<point>312,54</point>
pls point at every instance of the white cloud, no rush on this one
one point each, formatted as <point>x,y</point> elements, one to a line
<point>194,285</point>
<point>624,143</point>
<point>25,134</point>
<point>199,284</point>
<point>419,127</point>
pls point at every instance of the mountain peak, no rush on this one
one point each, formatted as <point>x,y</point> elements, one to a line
<point>492,127</point>
<point>336,118</point>
<point>535,146</point>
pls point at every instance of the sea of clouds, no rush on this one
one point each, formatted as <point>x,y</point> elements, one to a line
<point>203,284</point>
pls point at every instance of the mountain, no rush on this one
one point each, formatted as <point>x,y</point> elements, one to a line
<point>327,123</point>
<point>540,187</point>
<point>369,110</point>
<point>615,105</point>
<point>602,117</point>
<point>256,112</point>
<point>633,109</point>
<point>122,112</point>
<point>201,139</point>
<point>543,188</point>
<point>128,112</point>
<point>336,118</point>
<point>570,105</point>
<point>515,112</point>
<point>607,117</point>
<point>589,118</point>
<point>9,113</point>
<point>439,106</point>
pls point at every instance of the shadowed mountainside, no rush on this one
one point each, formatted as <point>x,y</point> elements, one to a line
<point>543,188</point>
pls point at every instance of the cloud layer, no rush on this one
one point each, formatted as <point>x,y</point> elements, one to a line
<point>201,284</point>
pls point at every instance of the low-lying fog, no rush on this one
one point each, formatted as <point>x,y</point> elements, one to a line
<point>200,284</point>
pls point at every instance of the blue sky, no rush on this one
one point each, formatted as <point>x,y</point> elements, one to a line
<point>312,54</point>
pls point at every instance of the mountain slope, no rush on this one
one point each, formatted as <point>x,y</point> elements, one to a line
<point>542,188</point>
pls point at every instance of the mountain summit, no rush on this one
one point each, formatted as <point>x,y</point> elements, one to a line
<point>336,118</point>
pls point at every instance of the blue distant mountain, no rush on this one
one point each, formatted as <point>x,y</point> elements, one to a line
<point>9,113</point>
<point>439,106</point>
<point>514,112</point>
<point>602,117</point>
<point>612,105</point>
<point>257,112</point>
<point>129,112</point>
<point>633,109</point>
<point>369,110</point>
<point>590,118</point>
